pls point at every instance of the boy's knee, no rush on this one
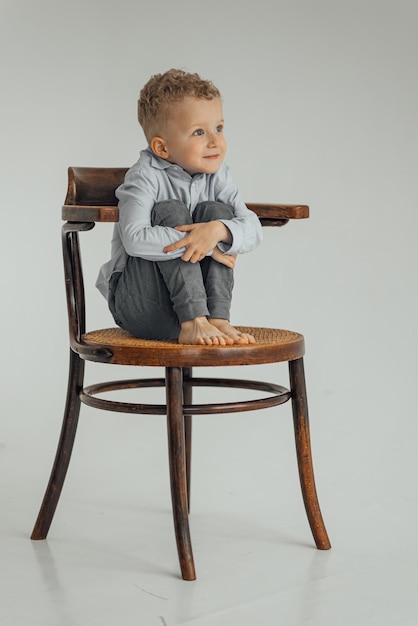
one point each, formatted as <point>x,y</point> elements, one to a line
<point>170,213</point>
<point>212,210</point>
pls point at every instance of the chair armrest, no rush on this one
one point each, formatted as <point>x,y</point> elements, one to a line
<point>279,214</point>
<point>80,213</point>
<point>269,214</point>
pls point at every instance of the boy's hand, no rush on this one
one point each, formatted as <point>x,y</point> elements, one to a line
<point>202,238</point>
<point>226,259</point>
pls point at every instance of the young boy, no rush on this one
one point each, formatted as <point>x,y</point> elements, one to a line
<point>181,221</point>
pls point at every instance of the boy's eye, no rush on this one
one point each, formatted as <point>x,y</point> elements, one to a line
<point>198,132</point>
<point>219,128</point>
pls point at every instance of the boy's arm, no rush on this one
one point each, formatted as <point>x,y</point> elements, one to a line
<point>136,198</point>
<point>245,227</point>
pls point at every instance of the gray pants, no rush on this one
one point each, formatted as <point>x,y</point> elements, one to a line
<point>150,299</point>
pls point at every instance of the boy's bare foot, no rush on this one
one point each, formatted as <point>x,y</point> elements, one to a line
<point>225,327</point>
<point>201,332</point>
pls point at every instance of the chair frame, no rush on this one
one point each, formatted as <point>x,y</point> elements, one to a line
<point>90,199</point>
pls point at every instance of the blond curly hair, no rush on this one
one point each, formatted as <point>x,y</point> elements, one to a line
<point>163,90</point>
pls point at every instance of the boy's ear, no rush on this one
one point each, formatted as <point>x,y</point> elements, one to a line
<point>159,147</point>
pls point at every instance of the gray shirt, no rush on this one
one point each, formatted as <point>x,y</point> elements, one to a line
<point>153,180</point>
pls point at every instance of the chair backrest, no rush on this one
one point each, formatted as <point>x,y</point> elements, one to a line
<point>91,198</point>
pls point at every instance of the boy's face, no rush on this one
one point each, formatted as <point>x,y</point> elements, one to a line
<point>193,136</point>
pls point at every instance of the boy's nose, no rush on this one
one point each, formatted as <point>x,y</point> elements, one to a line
<point>212,139</point>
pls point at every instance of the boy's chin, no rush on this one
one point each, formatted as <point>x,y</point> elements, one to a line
<point>211,168</point>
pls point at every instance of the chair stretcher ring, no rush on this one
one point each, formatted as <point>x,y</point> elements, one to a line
<point>280,395</point>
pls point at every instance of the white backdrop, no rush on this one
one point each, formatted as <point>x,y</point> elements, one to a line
<point>321,102</point>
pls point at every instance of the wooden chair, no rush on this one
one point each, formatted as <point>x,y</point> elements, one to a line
<point>91,198</point>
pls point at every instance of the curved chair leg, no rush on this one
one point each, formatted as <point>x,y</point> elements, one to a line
<point>187,399</point>
<point>64,449</point>
<point>177,462</point>
<point>304,454</point>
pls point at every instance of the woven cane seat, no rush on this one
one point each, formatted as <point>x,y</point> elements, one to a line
<point>272,346</point>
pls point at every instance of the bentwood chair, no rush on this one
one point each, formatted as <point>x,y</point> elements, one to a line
<point>91,198</point>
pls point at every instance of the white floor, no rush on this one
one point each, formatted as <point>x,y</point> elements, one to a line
<point>110,557</point>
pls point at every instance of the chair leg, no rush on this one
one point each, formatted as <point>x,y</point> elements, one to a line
<point>304,454</point>
<point>64,449</point>
<point>187,399</point>
<point>177,463</point>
